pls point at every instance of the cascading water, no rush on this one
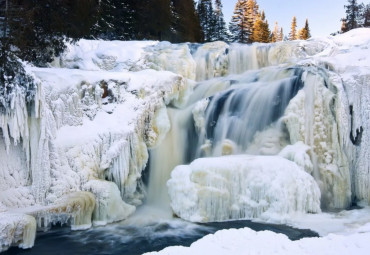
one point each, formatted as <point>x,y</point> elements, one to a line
<point>242,105</point>
<point>224,116</point>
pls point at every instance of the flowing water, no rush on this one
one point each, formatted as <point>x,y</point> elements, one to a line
<point>134,239</point>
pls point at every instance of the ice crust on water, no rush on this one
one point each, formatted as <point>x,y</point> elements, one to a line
<point>242,186</point>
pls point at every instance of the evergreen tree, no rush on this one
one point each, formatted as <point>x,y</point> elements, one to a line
<point>220,26</point>
<point>187,26</point>
<point>353,14</point>
<point>343,28</point>
<point>251,16</point>
<point>154,19</point>
<point>207,19</point>
<point>275,33</point>
<point>307,31</point>
<point>366,16</point>
<point>13,76</point>
<point>293,31</point>
<point>281,35</point>
<point>261,32</point>
<point>237,26</point>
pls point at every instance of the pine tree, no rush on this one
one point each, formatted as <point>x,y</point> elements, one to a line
<point>251,16</point>
<point>220,26</point>
<point>13,76</point>
<point>261,32</point>
<point>154,19</point>
<point>275,33</point>
<point>238,23</point>
<point>343,28</point>
<point>366,16</point>
<point>307,31</point>
<point>207,19</point>
<point>281,35</point>
<point>353,14</point>
<point>187,26</point>
<point>293,31</point>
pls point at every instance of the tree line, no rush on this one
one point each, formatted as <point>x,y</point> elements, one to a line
<point>357,15</point>
<point>249,24</point>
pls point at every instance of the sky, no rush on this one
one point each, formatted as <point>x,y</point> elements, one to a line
<point>323,15</point>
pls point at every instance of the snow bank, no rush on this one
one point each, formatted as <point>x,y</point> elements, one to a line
<point>247,241</point>
<point>103,55</point>
<point>237,187</point>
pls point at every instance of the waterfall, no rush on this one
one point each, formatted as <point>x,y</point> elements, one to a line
<point>224,116</point>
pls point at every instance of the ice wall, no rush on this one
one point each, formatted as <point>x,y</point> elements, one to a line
<point>311,118</point>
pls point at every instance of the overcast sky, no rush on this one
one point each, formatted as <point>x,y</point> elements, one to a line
<point>323,15</point>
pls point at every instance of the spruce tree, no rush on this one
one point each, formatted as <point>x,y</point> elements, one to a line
<point>281,35</point>
<point>343,28</point>
<point>306,31</point>
<point>186,20</point>
<point>353,14</point>
<point>220,26</point>
<point>293,31</point>
<point>275,33</point>
<point>237,26</point>
<point>251,16</point>
<point>261,32</point>
<point>13,77</point>
<point>207,19</point>
<point>366,16</point>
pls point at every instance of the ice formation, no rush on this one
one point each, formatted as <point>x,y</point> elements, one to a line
<point>76,154</point>
<point>241,186</point>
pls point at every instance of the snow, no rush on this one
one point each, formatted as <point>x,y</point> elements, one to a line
<point>103,55</point>
<point>247,241</point>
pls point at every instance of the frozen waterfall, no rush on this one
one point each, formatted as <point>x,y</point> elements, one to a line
<point>208,132</point>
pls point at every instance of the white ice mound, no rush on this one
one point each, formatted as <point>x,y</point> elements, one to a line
<point>17,229</point>
<point>241,186</point>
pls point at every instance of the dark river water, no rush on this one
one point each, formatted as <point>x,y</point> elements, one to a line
<point>124,238</point>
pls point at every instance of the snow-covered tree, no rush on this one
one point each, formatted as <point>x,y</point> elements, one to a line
<point>366,16</point>
<point>353,15</point>
<point>220,25</point>
<point>13,77</point>
<point>207,19</point>
<point>237,26</point>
